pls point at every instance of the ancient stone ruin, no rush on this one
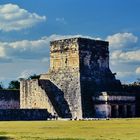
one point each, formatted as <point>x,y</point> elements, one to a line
<point>79,83</point>
<point>9,99</point>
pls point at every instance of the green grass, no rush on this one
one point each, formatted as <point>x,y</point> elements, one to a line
<point>119,129</point>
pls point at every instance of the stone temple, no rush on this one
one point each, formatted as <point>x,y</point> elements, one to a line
<point>79,83</point>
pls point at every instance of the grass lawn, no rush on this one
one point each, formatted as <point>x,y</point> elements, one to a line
<point>120,129</point>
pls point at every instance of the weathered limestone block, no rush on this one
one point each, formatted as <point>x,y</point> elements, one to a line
<point>68,83</point>
<point>32,96</point>
<point>64,54</point>
<point>64,73</point>
<point>79,68</point>
<point>56,96</point>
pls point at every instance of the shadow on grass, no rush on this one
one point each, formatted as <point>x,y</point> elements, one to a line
<point>65,139</point>
<point>5,138</point>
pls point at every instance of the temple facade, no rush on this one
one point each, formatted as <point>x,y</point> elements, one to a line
<point>79,83</point>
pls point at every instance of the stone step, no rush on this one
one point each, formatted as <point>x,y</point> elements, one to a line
<point>56,97</point>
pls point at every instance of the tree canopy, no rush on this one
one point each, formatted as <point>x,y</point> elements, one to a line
<point>34,76</point>
<point>14,85</point>
<point>1,85</point>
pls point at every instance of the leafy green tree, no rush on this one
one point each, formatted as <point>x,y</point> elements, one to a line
<point>14,85</point>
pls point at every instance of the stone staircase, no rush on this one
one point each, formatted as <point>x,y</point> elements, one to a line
<point>56,96</point>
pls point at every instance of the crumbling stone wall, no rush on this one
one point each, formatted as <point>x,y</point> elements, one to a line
<point>43,94</point>
<point>64,73</point>
<point>32,96</point>
<point>79,67</point>
<point>114,105</point>
<point>9,99</point>
<point>23,114</point>
<point>64,54</point>
<point>68,83</point>
<point>94,63</point>
<point>95,74</point>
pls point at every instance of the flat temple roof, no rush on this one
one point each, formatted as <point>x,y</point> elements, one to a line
<point>79,39</point>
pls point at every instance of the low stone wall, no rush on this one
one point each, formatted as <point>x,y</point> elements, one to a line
<point>9,99</point>
<point>23,114</point>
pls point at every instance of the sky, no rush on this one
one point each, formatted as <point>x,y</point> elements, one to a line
<point>27,27</point>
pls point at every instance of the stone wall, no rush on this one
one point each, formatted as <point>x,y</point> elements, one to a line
<point>95,74</point>
<point>79,68</point>
<point>94,64</point>
<point>64,72</point>
<point>114,106</point>
<point>32,96</point>
<point>64,54</point>
<point>69,85</point>
<point>23,114</point>
<point>9,99</point>
<point>39,94</point>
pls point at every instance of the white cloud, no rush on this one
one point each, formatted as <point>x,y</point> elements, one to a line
<point>122,41</point>
<point>2,53</point>
<point>26,73</point>
<point>124,48</point>
<point>39,49</point>
<point>57,37</point>
<point>25,49</point>
<point>138,70</point>
<point>5,60</point>
<point>122,74</point>
<point>121,56</point>
<point>28,49</point>
<point>12,17</point>
<point>124,55</point>
<point>33,57</point>
<point>46,59</point>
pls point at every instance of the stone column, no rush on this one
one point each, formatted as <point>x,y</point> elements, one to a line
<point>102,110</point>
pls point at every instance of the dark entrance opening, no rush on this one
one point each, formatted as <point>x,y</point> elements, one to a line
<point>113,111</point>
<point>129,112</point>
<point>121,111</point>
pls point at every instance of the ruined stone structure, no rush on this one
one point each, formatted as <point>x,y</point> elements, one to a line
<point>10,108</point>
<point>9,99</point>
<point>79,83</point>
<point>23,114</point>
<point>114,105</point>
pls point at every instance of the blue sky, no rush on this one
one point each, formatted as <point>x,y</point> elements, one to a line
<point>27,26</point>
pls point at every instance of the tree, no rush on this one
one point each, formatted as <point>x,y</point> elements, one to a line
<point>14,85</point>
<point>34,76</point>
<point>1,85</point>
<point>138,79</point>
